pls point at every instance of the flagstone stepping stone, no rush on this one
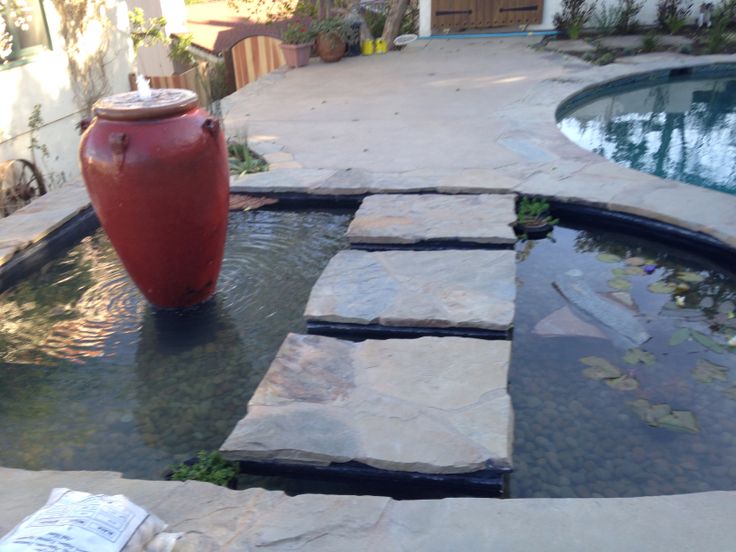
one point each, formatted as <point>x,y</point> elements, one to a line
<point>564,323</point>
<point>434,405</point>
<point>458,290</point>
<point>412,219</point>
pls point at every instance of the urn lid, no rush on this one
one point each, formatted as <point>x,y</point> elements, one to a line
<point>130,106</point>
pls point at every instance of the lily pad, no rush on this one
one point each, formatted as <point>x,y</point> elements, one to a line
<point>691,277</point>
<point>599,368</point>
<point>619,283</point>
<point>608,258</point>
<point>635,356</point>
<point>680,336</point>
<point>731,393</point>
<point>707,372</point>
<point>661,287</point>
<point>619,272</point>
<point>623,383</point>
<point>650,413</point>
<point>708,342</point>
<point>634,271</point>
<point>680,420</point>
<point>662,415</point>
<point>635,261</point>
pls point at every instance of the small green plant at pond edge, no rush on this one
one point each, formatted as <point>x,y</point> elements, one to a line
<point>574,15</point>
<point>243,161</point>
<point>534,211</point>
<point>649,43</point>
<point>210,467</point>
<point>606,18</point>
<point>628,10</point>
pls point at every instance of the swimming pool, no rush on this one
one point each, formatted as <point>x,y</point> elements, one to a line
<point>678,124</point>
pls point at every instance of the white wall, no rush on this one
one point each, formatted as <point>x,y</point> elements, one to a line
<point>45,80</point>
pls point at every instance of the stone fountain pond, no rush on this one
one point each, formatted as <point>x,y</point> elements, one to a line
<point>94,379</point>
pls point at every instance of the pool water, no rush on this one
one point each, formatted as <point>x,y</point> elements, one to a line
<point>681,128</point>
<point>92,378</point>
<point>580,436</point>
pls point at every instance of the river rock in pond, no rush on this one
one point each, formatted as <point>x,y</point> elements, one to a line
<point>612,315</point>
<point>564,323</point>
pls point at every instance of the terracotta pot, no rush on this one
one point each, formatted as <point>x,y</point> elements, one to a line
<point>157,174</point>
<point>297,55</point>
<point>330,47</point>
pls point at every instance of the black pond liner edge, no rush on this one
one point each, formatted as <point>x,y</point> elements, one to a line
<point>378,331</point>
<point>34,257</point>
<point>487,483</point>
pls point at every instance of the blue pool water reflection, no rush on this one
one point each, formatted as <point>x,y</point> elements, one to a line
<point>681,128</point>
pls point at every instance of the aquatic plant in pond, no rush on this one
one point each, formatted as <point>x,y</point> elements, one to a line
<point>598,416</point>
<point>682,128</point>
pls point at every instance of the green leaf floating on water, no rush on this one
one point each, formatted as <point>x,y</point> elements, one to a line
<point>619,272</point>
<point>635,356</point>
<point>599,368</point>
<point>624,383</point>
<point>731,393</point>
<point>707,372</point>
<point>680,336</point>
<point>707,342</point>
<point>608,258</point>
<point>680,420</point>
<point>619,283</point>
<point>661,287</point>
<point>636,261</point>
<point>691,277</point>
<point>634,271</point>
<point>662,415</point>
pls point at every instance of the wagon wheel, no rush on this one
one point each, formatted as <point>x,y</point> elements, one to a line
<point>20,182</point>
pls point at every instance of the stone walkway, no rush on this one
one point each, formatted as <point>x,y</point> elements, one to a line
<point>428,405</point>
<point>215,519</point>
<point>433,219</point>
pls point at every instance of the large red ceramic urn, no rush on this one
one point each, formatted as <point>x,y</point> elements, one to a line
<point>157,173</point>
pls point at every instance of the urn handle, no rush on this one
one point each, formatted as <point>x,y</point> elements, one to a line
<point>118,145</point>
<point>212,126</point>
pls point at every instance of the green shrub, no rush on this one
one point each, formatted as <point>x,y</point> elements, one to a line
<point>649,43</point>
<point>606,18</point>
<point>243,161</point>
<point>210,467</point>
<point>672,15</point>
<point>628,10</point>
<point>574,15</point>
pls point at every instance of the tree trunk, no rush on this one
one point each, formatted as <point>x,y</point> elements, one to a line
<point>396,13</point>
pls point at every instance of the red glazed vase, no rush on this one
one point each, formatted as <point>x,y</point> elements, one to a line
<point>157,173</point>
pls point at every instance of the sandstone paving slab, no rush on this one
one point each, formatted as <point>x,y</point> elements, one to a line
<point>427,405</point>
<point>410,219</point>
<point>40,218</point>
<point>420,289</point>
<point>216,519</point>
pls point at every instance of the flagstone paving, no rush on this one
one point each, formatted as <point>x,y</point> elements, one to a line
<point>428,405</point>
<point>419,289</point>
<point>412,219</point>
<point>216,519</point>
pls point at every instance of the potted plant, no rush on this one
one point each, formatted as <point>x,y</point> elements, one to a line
<point>333,35</point>
<point>534,220</point>
<point>296,43</point>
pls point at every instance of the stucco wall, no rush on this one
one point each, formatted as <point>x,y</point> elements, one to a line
<point>45,80</point>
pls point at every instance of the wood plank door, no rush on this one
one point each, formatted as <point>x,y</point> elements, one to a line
<point>480,14</point>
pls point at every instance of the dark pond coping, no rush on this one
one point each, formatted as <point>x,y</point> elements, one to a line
<point>429,245</point>
<point>486,483</point>
<point>32,258</point>
<point>378,331</point>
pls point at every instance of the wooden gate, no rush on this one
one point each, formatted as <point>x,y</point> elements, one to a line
<point>478,14</point>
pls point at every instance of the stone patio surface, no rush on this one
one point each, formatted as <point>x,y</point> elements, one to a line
<point>422,289</point>
<point>411,219</point>
<point>478,114</point>
<point>428,405</point>
<point>215,519</point>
